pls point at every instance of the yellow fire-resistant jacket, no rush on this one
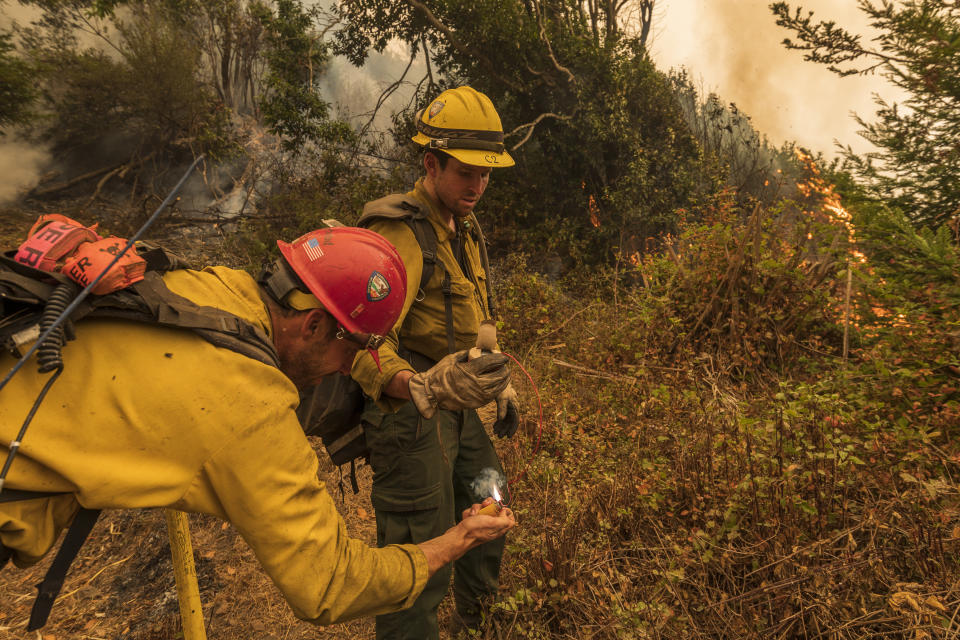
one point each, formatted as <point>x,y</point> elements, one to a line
<point>145,416</point>
<point>422,323</point>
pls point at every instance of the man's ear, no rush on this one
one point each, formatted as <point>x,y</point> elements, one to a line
<point>316,323</point>
<point>430,164</point>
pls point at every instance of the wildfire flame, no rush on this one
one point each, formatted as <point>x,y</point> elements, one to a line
<point>817,186</point>
<point>592,207</point>
<point>594,210</point>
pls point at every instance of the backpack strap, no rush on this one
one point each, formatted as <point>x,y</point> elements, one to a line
<point>426,237</point>
<point>21,288</point>
<point>16,495</point>
<point>159,259</point>
<point>447,289</point>
<point>485,260</point>
<point>399,206</point>
<point>220,328</point>
<point>49,587</point>
<point>77,533</point>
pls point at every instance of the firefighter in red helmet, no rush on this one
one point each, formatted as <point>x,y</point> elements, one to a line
<point>168,418</point>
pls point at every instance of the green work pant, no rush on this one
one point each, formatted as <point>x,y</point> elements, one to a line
<point>422,470</point>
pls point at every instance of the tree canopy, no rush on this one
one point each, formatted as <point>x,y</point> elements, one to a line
<point>16,85</point>
<point>604,155</point>
<point>917,163</point>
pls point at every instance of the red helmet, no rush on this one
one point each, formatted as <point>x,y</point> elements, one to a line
<point>355,274</point>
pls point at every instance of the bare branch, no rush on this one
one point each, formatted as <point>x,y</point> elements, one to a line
<point>389,91</point>
<point>36,192</point>
<point>94,30</point>
<point>646,20</point>
<point>530,126</point>
<point>426,57</point>
<point>543,36</point>
<point>96,193</point>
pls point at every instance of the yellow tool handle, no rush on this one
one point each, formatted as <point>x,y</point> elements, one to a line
<point>188,592</point>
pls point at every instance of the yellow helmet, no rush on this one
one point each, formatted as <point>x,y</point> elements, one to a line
<point>463,123</point>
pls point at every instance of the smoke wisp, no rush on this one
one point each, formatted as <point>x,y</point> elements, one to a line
<point>488,484</point>
<point>21,165</point>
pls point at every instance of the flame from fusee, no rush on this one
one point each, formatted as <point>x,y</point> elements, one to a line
<point>488,483</point>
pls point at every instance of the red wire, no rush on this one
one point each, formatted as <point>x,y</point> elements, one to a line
<point>536,447</point>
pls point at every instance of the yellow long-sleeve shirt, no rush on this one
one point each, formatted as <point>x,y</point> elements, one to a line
<point>144,416</point>
<point>422,323</point>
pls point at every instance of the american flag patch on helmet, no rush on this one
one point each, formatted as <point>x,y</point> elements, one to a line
<point>313,250</point>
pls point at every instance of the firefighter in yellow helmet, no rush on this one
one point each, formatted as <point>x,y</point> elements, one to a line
<point>424,462</point>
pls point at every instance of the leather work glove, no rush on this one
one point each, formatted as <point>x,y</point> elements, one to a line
<point>508,418</point>
<point>457,383</point>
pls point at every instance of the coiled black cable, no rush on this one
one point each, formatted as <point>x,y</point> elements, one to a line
<point>49,356</point>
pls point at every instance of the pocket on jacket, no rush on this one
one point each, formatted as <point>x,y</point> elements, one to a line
<point>466,312</point>
<point>461,287</point>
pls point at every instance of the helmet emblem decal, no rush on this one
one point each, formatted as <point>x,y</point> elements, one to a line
<point>313,250</point>
<point>435,108</point>
<point>377,287</point>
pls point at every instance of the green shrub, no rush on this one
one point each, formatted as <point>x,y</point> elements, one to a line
<point>699,493</point>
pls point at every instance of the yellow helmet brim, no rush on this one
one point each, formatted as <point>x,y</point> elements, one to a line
<point>480,158</point>
<point>475,157</point>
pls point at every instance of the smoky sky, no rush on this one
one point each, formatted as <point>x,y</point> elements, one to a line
<point>733,47</point>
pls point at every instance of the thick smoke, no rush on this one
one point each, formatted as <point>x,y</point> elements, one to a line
<point>734,46</point>
<point>354,91</point>
<point>21,165</point>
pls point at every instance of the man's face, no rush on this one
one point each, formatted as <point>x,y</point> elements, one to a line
<point>315,354</point>
<point>458,185</point>
<point>337,355</point>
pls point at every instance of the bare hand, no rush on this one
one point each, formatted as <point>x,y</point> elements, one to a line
<point>471,532</point>
<point>484,528</point>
